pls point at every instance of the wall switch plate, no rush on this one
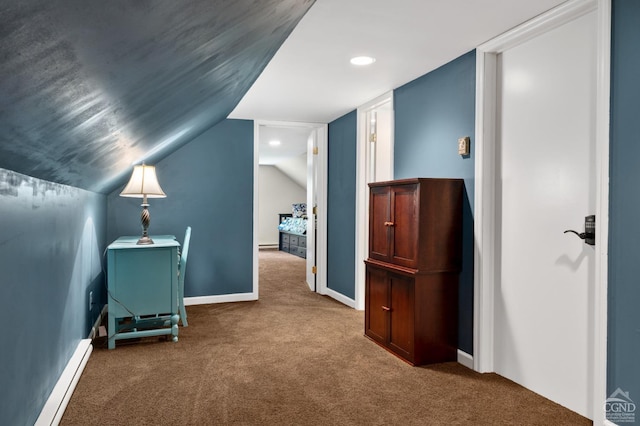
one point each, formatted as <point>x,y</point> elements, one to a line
<point>463,145</point>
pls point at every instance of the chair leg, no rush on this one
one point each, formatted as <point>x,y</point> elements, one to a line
<point>183,313</point>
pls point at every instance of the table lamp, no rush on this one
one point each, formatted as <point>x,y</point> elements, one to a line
<point>143,184</point>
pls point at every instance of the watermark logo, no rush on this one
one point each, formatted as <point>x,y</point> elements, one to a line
<point>620,408</point>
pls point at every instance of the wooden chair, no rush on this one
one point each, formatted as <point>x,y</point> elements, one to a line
<point>182,271</point>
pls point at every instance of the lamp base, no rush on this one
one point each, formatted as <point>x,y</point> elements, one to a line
<point>145,240</point>
<point>145,219</point>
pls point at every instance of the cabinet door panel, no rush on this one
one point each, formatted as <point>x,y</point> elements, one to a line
<point>135,279</point>
<point>401,329</point>
<point>377,297</point>
<point>378,231</point>
<point>404,244</point>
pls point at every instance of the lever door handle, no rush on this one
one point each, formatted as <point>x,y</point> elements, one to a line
<point>388,224</point>
<point>386,308</point>
<point>581,235</point>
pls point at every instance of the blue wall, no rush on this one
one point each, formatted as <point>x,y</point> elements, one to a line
<point>624,232</point>
<point>51,242</point>
<point>341,205</point>
<point>431,113</point>
<point>209,186</point>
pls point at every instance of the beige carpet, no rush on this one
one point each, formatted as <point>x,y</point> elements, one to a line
<point>292,358</point>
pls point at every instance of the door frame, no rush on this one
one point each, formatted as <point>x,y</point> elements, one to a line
<point>363,154</point>
<point>485,195</point>
<point>321,131</point>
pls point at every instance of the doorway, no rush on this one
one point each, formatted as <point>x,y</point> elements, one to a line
<point>374,164</point>
<point>296,154</point>
<point>542,108</point>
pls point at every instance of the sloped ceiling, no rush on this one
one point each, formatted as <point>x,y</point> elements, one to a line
<point>88,88</point>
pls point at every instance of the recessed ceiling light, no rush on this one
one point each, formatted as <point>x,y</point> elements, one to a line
<point>363,60</point>
<point>274,143</point>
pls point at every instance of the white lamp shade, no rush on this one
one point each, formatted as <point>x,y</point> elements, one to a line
<point>143,183</point>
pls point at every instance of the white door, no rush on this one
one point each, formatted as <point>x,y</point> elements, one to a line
<point>546,184</point>
<point>317,144</point>
<point>312,204</point>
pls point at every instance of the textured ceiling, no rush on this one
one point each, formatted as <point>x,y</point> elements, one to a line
<point>87,88</point>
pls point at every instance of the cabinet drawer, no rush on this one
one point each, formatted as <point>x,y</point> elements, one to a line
<point>285,247</point>
<point>302,252</point>
<point>293,240</point>
<point>285,238</point>
<point>302,241</point>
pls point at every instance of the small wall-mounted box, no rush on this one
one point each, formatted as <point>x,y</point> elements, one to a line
<point>463,145</point>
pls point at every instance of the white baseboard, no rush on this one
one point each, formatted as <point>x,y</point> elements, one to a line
<point>247,297</point>
<point>465,359</point>
<point>341,298</point>
<point>223,298</point>
<point>53,409</point>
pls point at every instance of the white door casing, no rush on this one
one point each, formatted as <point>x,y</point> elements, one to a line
<point>503,341</point>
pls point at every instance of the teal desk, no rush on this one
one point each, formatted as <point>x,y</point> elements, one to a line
<point>142,283</point>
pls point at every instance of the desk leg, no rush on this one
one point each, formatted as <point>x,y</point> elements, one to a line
<point>174,326</point>
<point>111,324</point>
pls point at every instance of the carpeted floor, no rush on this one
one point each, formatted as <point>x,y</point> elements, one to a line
<point>291,358</point>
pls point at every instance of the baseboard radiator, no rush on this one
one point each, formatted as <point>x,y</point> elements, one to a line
<point>53,409</point>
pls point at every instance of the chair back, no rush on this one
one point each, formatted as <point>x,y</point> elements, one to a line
<point>185,252</point>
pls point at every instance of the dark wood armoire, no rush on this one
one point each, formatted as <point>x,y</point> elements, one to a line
<point>415,250</point>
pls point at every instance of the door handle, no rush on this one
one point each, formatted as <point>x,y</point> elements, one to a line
<point>589,234</point>
<point>388,224</point>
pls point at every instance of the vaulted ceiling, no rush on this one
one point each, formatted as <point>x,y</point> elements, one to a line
<point>87,88</point>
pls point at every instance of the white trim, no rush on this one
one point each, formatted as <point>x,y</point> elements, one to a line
<point>362,224</point>
<point>465,359</point>
<point>484,208</point>
<point>603,105</point>
<point>53,409</point>
<point>607,423</point>
<point>541,24</point>
<point>256,217</point>
<point>222,298</point>
<point>341,298</point>
<point>484,212</point>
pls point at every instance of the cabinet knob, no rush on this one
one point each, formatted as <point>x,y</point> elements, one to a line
<point>386,308</point>
<point>388,224</point>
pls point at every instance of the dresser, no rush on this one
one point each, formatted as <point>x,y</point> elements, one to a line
<point>415,251</point>
<point>142,288</point>
<point>293,243</point>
